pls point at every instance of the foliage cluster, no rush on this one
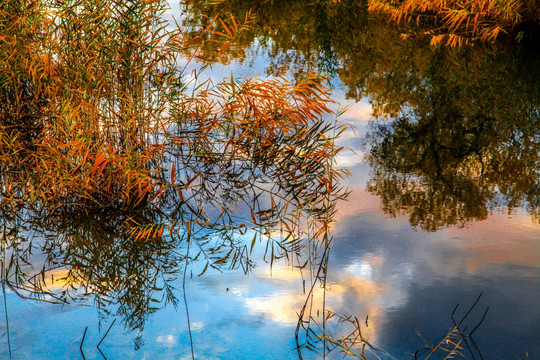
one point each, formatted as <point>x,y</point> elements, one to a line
<point>94,103</point>
<point>458,22</point>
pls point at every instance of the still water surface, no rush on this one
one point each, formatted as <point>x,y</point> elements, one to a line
<point>443,149</point>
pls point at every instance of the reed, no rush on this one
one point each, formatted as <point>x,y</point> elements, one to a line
<point>458,343</point>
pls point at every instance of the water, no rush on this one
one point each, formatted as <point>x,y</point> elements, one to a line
<point>443,207</point>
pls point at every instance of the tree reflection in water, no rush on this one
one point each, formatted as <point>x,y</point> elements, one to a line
<point>461,142</point>
<point>457,133</point>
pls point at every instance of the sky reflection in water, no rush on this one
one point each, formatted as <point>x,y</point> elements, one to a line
<point>404,280</point>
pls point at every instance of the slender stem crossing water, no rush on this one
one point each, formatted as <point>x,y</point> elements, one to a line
<point>4,279</point>
<point>185,298</point>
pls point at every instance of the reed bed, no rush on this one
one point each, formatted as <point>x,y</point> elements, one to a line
<point>94,101</point>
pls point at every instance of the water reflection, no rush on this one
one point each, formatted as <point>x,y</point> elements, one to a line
<point>461,135</point>
<point>236,182</point>
<point>457,140</point>
<point>454,148</point>
<point>461,142</point>
<point>290,33</point>
<point>416,277</point>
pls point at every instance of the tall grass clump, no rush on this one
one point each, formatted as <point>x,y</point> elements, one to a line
<point>94,101</point>
<point>457,22</point>
<point>77,100</point>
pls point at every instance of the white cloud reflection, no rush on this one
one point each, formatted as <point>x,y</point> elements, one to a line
<point>167,340</point>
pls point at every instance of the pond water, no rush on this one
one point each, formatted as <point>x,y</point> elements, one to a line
<point>443,150</point>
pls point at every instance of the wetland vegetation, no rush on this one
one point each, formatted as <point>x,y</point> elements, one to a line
<point>127,170</point>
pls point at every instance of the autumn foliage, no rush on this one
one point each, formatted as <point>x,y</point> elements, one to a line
<point>98,113</point>
<point>457,22</point>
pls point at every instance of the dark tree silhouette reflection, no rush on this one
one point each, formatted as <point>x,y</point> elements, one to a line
<point>461,143</point>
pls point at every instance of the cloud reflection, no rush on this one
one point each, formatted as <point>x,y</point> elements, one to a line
<point>411,280</point>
